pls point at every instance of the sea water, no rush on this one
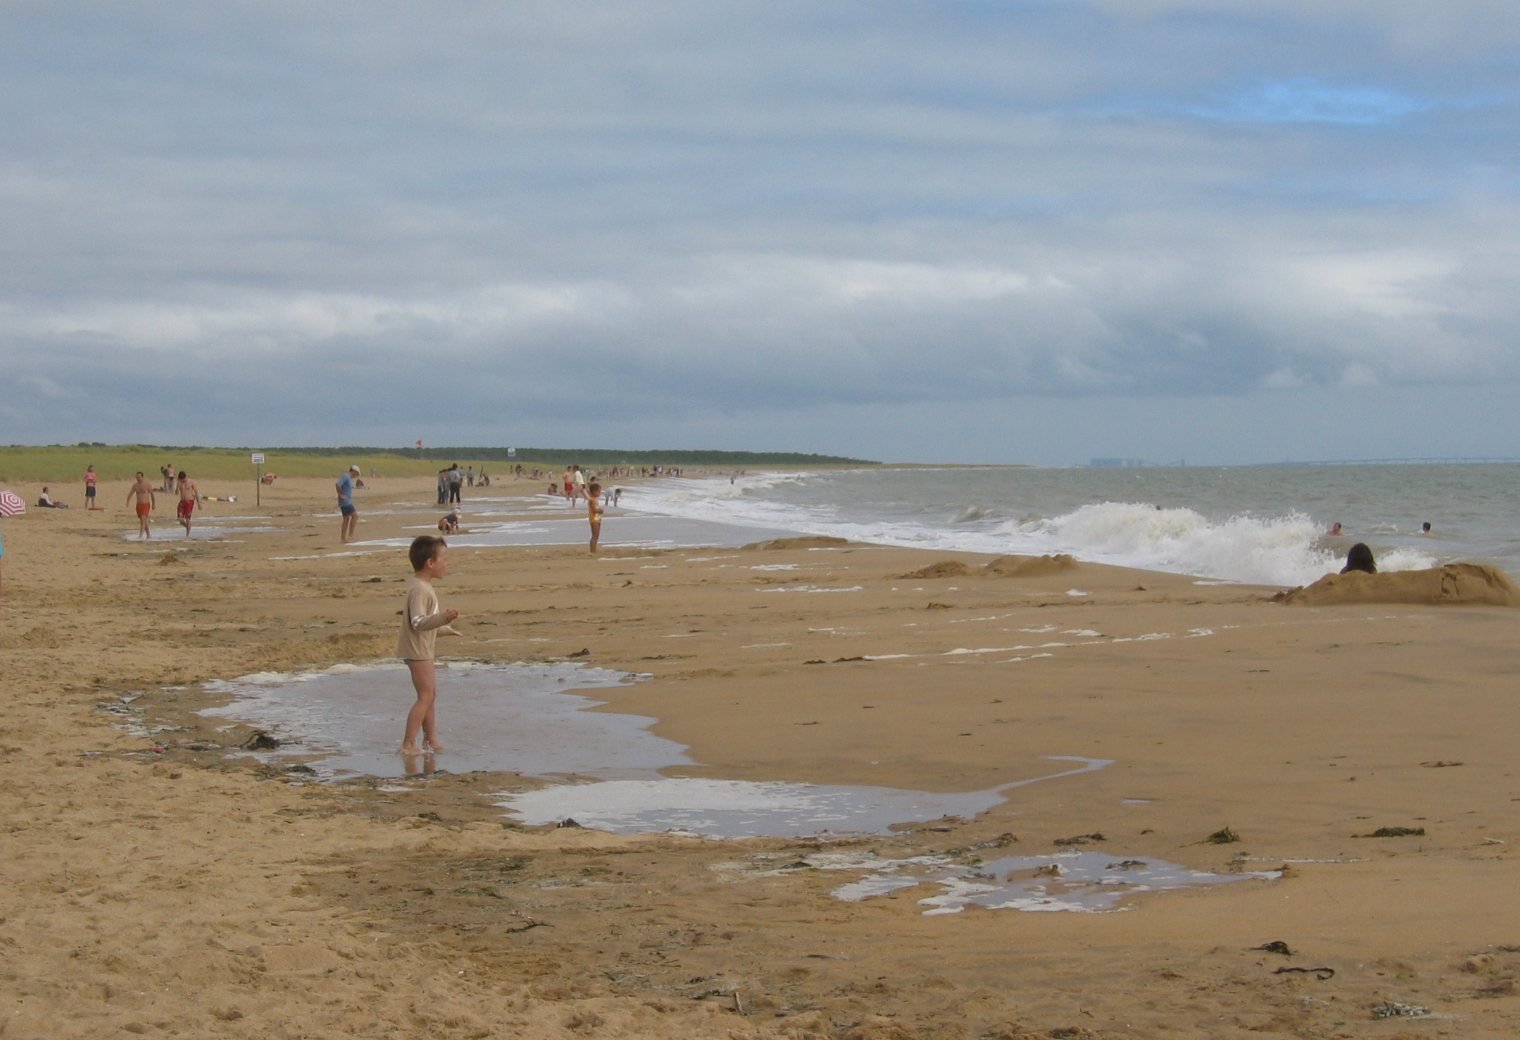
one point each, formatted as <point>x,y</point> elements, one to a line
<point>1257,524</point>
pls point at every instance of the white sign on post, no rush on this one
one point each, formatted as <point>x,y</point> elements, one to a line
<point>258,458</point>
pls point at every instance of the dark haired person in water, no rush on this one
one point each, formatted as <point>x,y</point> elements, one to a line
<point>1359,559</point>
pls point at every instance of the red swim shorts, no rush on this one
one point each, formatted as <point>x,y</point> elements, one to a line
<point>186,506</point>
<point>143,509</point>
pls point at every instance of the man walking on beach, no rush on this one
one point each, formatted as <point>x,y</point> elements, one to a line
<point>146,502</point>
<point>349,525</point>
<point>188,496</point>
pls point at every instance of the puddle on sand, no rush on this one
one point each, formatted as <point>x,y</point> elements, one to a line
<point>524,719</point>
<point>1088,882</point>
<point>517,718</point>
<point>757,809</point>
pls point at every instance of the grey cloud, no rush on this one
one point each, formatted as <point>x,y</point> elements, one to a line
<point>747,212</point>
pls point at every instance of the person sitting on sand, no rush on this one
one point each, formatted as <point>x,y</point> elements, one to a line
<point>45,501</point>
<point>1359,559</point>
<point>449,524</point>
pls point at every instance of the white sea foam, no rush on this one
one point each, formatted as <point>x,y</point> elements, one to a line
<point>1223,534</point>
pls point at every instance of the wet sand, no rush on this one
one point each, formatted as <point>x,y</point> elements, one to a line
<point>158,884</point>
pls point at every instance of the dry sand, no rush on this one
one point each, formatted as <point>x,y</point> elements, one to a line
<point>154,887</point>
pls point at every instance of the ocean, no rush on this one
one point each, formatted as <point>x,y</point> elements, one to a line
<point>1253,524</point>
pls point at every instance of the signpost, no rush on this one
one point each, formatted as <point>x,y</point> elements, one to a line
<point>258,478</point>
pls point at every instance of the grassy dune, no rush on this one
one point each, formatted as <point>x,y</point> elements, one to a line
<point>64,465</point>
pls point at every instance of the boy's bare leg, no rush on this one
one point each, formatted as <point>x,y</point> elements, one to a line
<point>430,741</point>
<point>422,716</point>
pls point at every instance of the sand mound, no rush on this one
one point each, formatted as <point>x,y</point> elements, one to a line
<point>943,569</point>
<point>1459,584</point>
<point>1031,566</point>
<point>805,542</point>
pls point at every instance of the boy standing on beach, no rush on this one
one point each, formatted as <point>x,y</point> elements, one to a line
<point>594,513</point>
<point>421,621</point>
<point>146,503</point>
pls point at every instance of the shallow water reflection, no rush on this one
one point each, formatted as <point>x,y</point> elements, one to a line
<point>624,531</point>
<point>528,719</point>
<point>754,809</point>
<point>1080,881</point>
<point>517,718</point>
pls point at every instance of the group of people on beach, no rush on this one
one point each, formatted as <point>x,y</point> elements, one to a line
<point>452,480</point>
<point>143,496</point>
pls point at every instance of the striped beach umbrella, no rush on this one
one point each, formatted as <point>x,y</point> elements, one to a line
<point>11,503</point>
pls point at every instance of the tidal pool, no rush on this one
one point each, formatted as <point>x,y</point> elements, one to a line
<point>538,721</point>
<point>756,809</point>
<point>518,718</point>
<point>605,773</point>
<point>1086,881</point>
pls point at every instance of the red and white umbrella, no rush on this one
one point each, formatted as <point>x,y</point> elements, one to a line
<point>11,503</point>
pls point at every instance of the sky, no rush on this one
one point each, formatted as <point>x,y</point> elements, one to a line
<point>998,232</point>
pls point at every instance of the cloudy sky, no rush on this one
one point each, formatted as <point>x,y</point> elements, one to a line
<point>1035,231</point>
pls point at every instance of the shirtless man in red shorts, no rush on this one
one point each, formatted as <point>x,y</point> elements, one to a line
<point>187,499</point>
<point>146,501</point>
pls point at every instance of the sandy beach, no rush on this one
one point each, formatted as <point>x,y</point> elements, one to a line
<point>1357,744</point>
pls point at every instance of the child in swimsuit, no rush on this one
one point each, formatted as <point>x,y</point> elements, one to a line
<point>594,512</point>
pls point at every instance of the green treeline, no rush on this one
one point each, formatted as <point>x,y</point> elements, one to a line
<point>619,456</point>
<point>65,464</point>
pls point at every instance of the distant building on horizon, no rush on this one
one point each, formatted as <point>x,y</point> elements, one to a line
<point>1115,463</point>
